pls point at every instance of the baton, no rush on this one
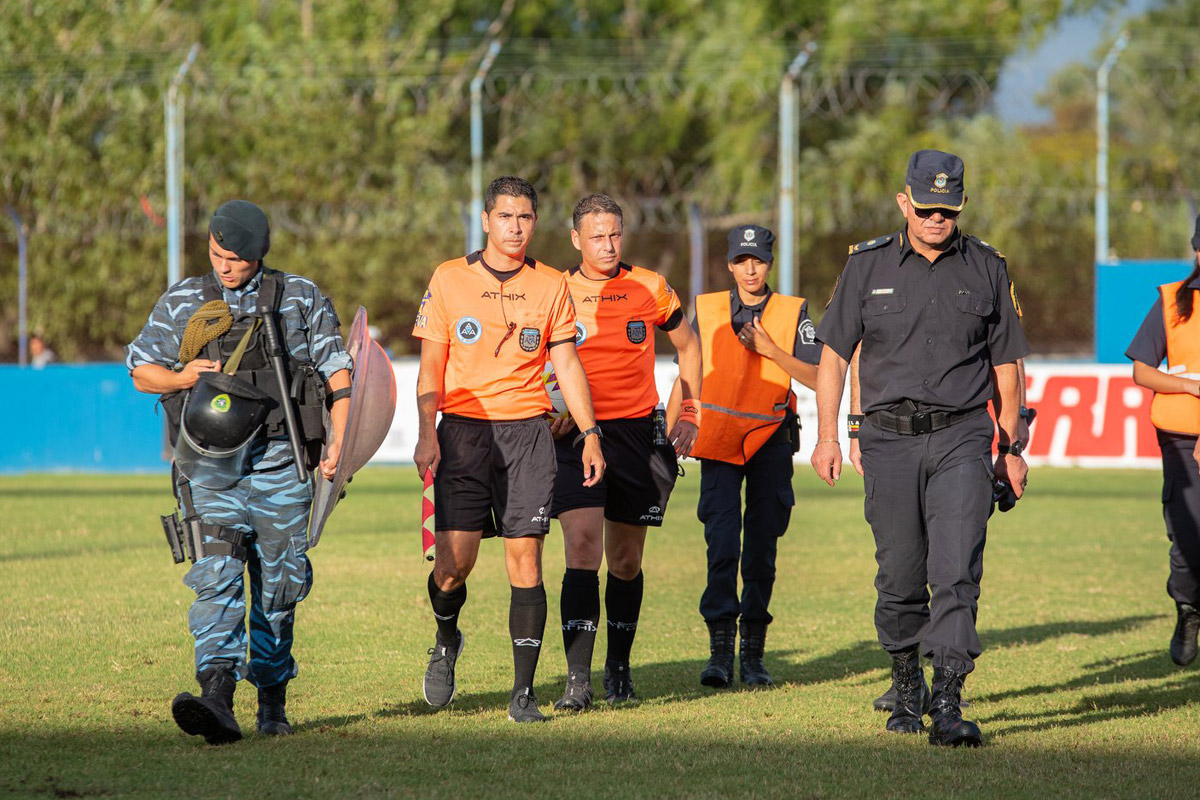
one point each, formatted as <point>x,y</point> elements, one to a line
<point>275,351</point>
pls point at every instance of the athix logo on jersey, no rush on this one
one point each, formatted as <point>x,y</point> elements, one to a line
<point>527,642</point>
<point>807,332</point>
<point>636,331</point>
<point>530,339</point>
<point>581,333</point>
<point>605,298</point>
<point>497,295</point>
<point>655,515</point>
<point>468,330</point>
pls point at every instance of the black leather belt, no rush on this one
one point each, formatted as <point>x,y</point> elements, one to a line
<point>922,422</point>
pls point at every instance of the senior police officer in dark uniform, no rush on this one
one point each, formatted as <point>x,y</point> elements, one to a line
<point>222,350</point>
<point>936,315</point>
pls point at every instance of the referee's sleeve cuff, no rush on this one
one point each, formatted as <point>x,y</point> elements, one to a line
<point>672,321</point>
<point>560,341</point>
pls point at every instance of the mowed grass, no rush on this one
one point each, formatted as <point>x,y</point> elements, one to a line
<point>1075,692</point>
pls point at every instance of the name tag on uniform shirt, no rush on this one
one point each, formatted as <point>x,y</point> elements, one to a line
<point>883,291</point>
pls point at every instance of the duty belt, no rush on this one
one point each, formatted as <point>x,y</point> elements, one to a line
<point>921,422</point>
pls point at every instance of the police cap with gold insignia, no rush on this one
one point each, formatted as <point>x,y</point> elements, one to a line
<point>242,227</point>
<point>935,180</point>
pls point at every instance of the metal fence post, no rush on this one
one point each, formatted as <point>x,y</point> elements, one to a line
<point>475,232</point>
<point>1110,60</point>
<point>789,146</point>
<point>174,122</point>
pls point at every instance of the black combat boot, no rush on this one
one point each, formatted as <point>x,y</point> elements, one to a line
<point>211,714</point>
<point>750,654</point>
<point>1183,643</point>
<point>949,728</point>
<point>911,693</point>
<point>718,673</point>
<point>272,717</point>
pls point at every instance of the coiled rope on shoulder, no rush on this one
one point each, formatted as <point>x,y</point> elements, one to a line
<point>211,320</point>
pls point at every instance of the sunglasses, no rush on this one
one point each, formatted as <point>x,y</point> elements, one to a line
<point>926,213</point>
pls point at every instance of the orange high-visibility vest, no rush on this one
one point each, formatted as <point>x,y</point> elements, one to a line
<point>744,397</point>
<point>1179,413</point>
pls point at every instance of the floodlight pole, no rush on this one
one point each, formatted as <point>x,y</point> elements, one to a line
<point>697,255</point>
<point>174,121</point>
<point>1110,60</point>
<point>474,231</point>
<point>22,289</point>
<point>789,146</point>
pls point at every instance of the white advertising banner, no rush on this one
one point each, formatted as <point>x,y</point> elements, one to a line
<point>1088,415</point>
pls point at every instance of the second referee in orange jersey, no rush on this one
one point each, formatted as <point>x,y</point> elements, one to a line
<point>618,307</point>
<point>488,323</point>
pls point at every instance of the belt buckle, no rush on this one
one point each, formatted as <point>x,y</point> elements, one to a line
<point>922,422</point>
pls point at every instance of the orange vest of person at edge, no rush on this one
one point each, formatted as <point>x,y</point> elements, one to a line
<point>1178,413</point>
<point>743,396</point>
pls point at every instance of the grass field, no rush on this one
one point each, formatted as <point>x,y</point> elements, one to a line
<point>1075,692</point>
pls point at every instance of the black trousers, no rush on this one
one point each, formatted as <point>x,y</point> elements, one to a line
<point>1181,512</point>
<point>928,499</point>
<point>769,501</point>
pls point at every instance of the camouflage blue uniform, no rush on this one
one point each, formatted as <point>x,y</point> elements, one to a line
<point>269,503</point>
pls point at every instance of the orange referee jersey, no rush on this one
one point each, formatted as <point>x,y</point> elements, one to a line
<point>498,334</point>
<point>614,337</point>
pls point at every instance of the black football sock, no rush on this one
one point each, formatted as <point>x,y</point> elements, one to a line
<point>622,606</point>
<point>446,606</point>
<point>526,625</point>
<point>580,605</point>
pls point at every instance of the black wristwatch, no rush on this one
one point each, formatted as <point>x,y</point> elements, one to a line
<point>584,434</point>
<point>1014,449</point>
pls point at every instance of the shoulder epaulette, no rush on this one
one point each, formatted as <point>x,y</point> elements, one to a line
<point>985,245</point>
<point>870,244</point>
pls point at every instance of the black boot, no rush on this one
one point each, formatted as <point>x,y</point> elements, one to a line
<point>949,728</point>
<point>718,673</point>
<point>1183,643</point>
<point>750,654</point>
<point>272,717</point>
<point>911,693</point>
<point>211,714</point>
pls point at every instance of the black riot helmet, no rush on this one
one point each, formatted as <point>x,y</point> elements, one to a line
<point>221,418</point>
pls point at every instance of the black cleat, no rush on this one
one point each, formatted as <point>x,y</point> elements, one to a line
<point>578,694</point>
<point>211,714</point>
<point>750,655</point>
<point>911,693</point>
<point>1183,642</point>
<point>272,716</point>
<point>618,683</point>
<point>948,727</point>
<point>524,708</point>
<point>718,673</point>
<point>439,687</point>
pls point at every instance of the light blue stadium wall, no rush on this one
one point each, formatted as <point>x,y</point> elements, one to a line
<point>78,418</point>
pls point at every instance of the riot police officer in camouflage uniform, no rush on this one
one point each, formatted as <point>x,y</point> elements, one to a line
<point>207,349</point>
<point>937,317</point>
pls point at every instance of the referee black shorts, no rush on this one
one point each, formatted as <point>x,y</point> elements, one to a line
<point>495,477</point>
<point>638,476</point>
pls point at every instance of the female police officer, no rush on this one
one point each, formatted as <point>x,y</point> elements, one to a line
<point>1172,331</point>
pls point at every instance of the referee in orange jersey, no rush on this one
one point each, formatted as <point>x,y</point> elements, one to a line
<point>487,324</point>
<point>617,306</point>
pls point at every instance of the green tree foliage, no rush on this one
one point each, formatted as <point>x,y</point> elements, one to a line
<point>348,122</point>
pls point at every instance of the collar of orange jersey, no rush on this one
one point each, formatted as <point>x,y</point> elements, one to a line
<point>476,258</point>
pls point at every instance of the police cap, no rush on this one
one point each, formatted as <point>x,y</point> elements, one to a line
<point>242,227</point>
<point>751,240</point>
<point>935,180</point>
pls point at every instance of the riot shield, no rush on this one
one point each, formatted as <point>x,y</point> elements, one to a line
<point>372,406</point>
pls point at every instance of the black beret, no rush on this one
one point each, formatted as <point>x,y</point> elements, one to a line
<point>751,240</point>
<point>935,180</point>
<point>242,227</point>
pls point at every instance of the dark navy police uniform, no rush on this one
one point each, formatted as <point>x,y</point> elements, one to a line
<point>769,500</point>
<point>930,335</point>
